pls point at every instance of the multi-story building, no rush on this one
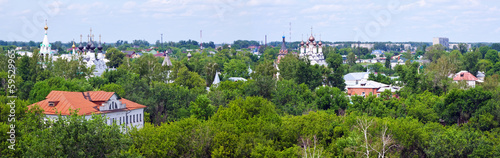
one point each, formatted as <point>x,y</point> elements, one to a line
<point>441,40</point>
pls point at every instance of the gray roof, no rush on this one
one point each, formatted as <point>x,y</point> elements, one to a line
<point>216,79</point>
<point>355,76</point>
<point>166,61</point>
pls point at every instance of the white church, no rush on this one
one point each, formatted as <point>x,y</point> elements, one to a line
<point>312,51</point>
<point>88,53</point>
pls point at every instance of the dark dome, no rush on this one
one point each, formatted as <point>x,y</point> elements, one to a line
<point>311,38</point>
<point>92,47</point>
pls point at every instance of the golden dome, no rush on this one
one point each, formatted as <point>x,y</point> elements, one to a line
<point>45,27</point>
<point>73,45</point>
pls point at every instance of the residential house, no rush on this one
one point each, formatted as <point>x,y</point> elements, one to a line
<point>369,87</point>
<point>354,78</point>
<point>466,76</point>
<point>129,53</point>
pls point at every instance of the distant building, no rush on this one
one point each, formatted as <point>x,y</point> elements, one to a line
<point>234,79</point>
<point>108,104</point>
<point>368,87</point>
<point>378,53</point>
<point>455,46</point>
<point>363,45</point>
<point>441,40</point>
<point>313,51</point>
<point>355,78</point>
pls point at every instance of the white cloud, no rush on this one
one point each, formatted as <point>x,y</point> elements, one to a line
<point>497,30</point>
<point>85,9</point>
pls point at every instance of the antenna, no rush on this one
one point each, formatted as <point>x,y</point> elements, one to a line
<point>290,38</point>
<point>201,39</point>
<point>265,44</point>
<point>80,38</point>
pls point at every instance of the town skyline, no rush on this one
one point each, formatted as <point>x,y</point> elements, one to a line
<point>228,21</point>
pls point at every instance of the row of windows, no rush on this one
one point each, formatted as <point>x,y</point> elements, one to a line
<point>125,119</point>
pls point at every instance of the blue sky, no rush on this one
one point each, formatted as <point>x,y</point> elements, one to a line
<point>229,20</point>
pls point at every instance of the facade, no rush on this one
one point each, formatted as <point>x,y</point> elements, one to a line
<point>363,45</point>
<point>466,76</point>
<point>441,40</point>
<point>368,87</point>
<point>109,104</point>
<point>313,51</point>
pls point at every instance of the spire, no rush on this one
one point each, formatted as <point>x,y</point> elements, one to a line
<point>45,46</point>
<point>46,27</point>
<point>100,46</point>
<point>80,47</point>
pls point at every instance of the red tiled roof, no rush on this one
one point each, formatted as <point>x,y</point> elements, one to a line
<point>64,101</point>
<point>464,75</point>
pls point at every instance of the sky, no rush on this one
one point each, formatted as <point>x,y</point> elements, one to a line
<point>224,21</point>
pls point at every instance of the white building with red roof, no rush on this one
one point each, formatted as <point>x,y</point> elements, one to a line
<point>109,104</point>
<point>466,76</point>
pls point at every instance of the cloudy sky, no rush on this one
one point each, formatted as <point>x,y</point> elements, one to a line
<point>229,20</point>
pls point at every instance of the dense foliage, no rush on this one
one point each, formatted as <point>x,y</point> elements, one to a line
<point>302,111</point>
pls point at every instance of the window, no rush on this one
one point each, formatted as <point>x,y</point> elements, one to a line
<point>116,106</point>
<point>140,116</point>
<point>378,95</point>
<point>363,93</point>
<point>120,120</point>
<point>127,120</point>
<point>133,116</point>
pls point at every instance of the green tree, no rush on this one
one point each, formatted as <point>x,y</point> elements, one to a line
<point>336,78</point>
<point>351,59</point>
<point>235,68</point>
<point>331,98</point>
<point>492,55</point>
<point>75,136</point>
<point>292,98</point>
<point>189,79</point>
<point>201,108</point>
<point>470,62</point>
<point>115,57</point>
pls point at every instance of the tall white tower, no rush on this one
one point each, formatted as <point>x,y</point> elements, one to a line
<point>45,46</point>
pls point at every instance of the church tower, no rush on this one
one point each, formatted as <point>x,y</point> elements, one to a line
<point>45,46</point>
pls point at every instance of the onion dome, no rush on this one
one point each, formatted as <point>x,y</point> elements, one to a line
<point>302,43</point>
<point>92,47</point>
<point>46,27</point>
<point>311,38</point>
<point>314,43</point>
<point>73,45</point>
<point>320,43</point>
